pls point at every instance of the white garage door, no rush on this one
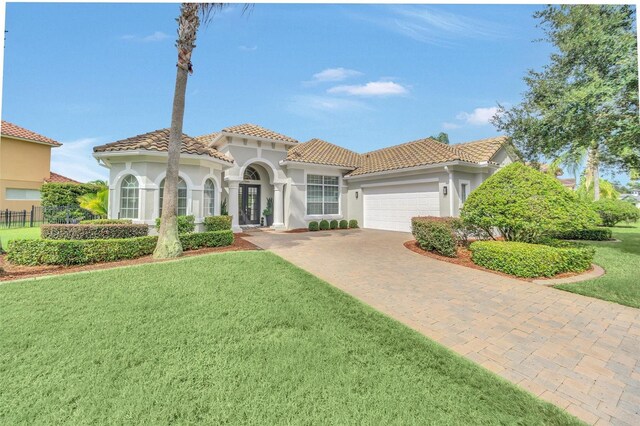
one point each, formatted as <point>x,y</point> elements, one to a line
<point>392,207</point>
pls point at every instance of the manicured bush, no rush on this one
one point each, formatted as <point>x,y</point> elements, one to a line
<point>353,223</point>
<point>80,252</point>
<point>105,221</point>
<point>93,232</point>
<point>217,223</point>
<point>435,234</point>
<point>185,224</point>
<point>344,224</point>
<point>55,195</point>
<point>614,211</point>
<point>314,226</point>
<point>333,224</point>
<point>531,260</point>
<point>524,204</point>
<point>591,234</point>
<point>324,225</point>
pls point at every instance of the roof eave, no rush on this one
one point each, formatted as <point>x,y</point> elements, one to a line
<point>129,152</point>
<point>418,168</point>
<point>55,144</point>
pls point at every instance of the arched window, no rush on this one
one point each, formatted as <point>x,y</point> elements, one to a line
<point>251,174</point>
<point>209,197</point>
<point>129,197</point>
<point>182,197</point>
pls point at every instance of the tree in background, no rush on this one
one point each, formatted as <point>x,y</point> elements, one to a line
<point>584,103</point>
<point>442,137</point>
<point>96,202</point>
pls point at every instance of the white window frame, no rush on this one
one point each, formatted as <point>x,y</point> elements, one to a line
<point>120,192</point>
<point>306,188</point>
<point>460,183</point>
<point>161,193</point>
<point>205,211</point>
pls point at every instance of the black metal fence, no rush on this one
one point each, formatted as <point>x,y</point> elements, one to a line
<point>39,215</point>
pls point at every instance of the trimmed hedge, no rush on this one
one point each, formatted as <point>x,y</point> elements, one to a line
<point>93,232</point>
<point>333,224</point>
<point>217,223</point>
<point>105,221</point>
<point>592,234</point>
<point>314,226</point>
<point>435,234</point>
<point>81,252</point>
<point>186,224</point>
<point>531,260</point>
<point>344,224</point>
<point>353,223</point>
<point>324,225</point>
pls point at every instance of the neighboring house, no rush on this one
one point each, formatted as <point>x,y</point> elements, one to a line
<point>25,159</point>
<point>632,198</point>
<point>248,164</point>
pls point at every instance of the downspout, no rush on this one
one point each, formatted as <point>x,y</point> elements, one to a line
<point>451,188</point>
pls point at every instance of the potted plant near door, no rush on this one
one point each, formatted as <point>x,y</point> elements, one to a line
<point>268,212</point>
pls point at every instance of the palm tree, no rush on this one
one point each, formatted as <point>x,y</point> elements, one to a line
<point>191,15</point>
<point>96,202</point>
<point>573,160</point>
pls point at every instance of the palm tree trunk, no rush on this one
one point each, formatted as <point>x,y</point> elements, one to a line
<point>168,241</point>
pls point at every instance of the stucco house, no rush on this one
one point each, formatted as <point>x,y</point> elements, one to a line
<point>247,164</point>
<point>25,158</point>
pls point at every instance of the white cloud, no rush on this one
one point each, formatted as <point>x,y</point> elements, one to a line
<point>74,160</point>
<point>373,88</point>
<point>248,48</point>
<point>156,36</point>
<point>479,116</point>
<point>326,103</point>
<point>450,126</point>
<point>335,74</point>
<point>432,25</point>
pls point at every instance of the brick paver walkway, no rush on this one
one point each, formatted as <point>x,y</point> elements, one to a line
<point>580,353</point>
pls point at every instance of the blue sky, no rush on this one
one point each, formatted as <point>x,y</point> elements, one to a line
<point>360,76</point>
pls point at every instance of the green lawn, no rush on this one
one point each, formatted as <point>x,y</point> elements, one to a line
<point>621,261</point>
<point>241,337</point>
<point>19,233</point>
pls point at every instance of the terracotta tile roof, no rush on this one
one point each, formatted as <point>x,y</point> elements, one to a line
<point>207,139</point>
<point>158,140</point>
<point>569,183</point>
<point>411,154</point>
<point>481,150</point>
<point>318,151</point>
<point>56,178</point>
<point>10,129</point>
<point>257,132</point>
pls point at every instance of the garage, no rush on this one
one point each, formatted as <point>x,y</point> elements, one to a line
<point>391,207</point>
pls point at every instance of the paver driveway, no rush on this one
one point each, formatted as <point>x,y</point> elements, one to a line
<point>580,353</point>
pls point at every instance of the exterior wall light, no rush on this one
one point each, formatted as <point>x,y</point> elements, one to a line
<point>444,190</point>
<point>356,195</point>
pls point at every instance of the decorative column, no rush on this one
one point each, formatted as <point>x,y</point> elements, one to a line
<point>278,206</point>
<point>451,192</point>
<point>233,205</point>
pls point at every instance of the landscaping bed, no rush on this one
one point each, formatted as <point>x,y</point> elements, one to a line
<point>14,272</point>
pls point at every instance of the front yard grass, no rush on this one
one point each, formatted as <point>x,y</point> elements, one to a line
<point>19,234</point>
<point>621,260</point>
<point>231,338</point>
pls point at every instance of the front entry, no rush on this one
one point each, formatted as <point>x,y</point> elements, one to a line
<point>249,204</point>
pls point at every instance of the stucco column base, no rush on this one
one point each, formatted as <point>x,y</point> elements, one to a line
<point>278,226</point>
<point>236,229</point>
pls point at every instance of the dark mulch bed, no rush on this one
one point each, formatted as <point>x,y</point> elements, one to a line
<point>14,272</point>
<point>464,259</point>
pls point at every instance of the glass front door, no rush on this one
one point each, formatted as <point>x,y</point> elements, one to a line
<point>249,204</point>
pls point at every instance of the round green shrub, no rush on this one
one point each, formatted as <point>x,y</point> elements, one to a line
<point>313,226</point>
<point>353,223</point>
<point>591,234</point>
<point>93,232</point>
<point>525,205</point>
<point>217,223</point>
<point>614,211</point>
<point>531,260</point>
<point>185,224</point>
<point>435,234</point>
<point>344,224</point>
<point>324,225</point>
<point>333,224</point>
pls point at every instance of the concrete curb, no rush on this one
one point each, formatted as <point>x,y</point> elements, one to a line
<point>596,272</point>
